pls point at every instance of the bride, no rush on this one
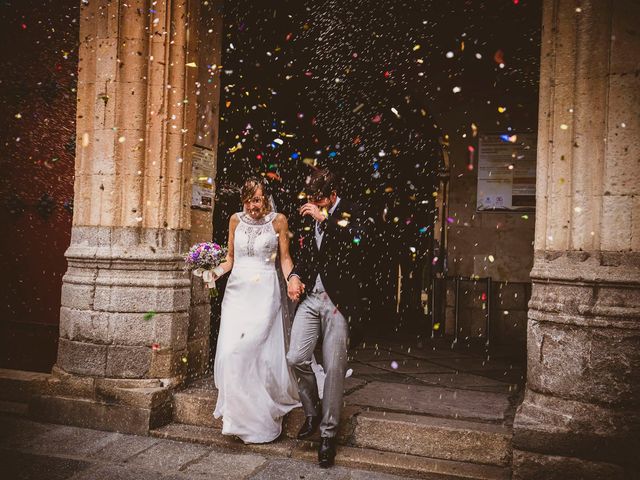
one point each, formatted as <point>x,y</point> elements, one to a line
<point>255,386</point>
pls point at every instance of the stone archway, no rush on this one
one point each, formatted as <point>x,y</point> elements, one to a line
<point>136,128</point>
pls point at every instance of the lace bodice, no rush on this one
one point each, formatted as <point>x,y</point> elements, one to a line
<point>256,242</point>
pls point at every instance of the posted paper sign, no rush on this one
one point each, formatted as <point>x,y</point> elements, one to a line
<point>203,173</point>
<point>507,172</point>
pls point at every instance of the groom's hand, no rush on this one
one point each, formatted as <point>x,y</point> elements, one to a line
<point>295,288</point>
<point>312,210</point>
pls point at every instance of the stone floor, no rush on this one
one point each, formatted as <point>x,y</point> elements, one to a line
<point>38,451</point>
<point>430,377</point>
<point>413,388</point>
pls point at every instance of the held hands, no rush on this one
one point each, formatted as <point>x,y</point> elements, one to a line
<point>312,210</point>
<point>295,288</point>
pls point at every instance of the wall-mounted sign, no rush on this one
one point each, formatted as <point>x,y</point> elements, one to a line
<point>507,172</point>
<point>202,178</point>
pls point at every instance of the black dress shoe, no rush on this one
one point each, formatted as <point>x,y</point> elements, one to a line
<point>327,452</point>
<point>309,427</point>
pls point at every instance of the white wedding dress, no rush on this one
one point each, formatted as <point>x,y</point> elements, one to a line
<point>255,386</point>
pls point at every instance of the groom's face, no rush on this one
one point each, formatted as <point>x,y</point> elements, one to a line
<point>321,201</point>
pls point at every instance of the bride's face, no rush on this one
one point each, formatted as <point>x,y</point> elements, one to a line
<point>255,205</point>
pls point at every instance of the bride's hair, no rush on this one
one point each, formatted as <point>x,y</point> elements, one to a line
<point>249,189</point>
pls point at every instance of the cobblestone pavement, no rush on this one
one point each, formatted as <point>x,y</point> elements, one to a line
<point>39,451</point>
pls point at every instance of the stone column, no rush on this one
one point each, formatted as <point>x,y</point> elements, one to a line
<point>125,298</point>
<point>581,410</point>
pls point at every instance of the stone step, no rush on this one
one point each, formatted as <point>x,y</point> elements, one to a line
<point>19,385</point>
<point>195,406</point>
<point>14,408</point>
<point>354,457</point>
<point>443,438</point>
<point>413,434</point>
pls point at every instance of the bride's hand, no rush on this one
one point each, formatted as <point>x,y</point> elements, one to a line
<point>217,272</point>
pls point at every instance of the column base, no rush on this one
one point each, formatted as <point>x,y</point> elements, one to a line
<point>126,406</point>
<point>560,438</point>
<point>534,466</point>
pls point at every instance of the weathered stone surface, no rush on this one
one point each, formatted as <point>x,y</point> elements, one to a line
<point>532,466</point>
<point>143,397</point>
<point>200,320</point>
<point>227,466</point>
<point>19,432</point>
<point>411,366</point>
<point>96,415</point>
<point>434,437</point>
<point>123,447</point>
<point>195,407</point>
<point>124,298</point>
<point>133,329</point>
<point>19,385</point>
<point>84,325</point>
<point>128,361</point>
<point>36,467</point>
<point>78,296</point>
<point>165,456</point>
<point>576,362</point>
<point>82,358</point>
<point>197,357</point>
<point>467,381</point>
<point>432,401</point>
<point>553,425</point>
<point>403,464</point>
<point>400,464</point>
<point>73,441</point>
<point>166,363</point>
<point>121,472</point>
<point>580,415</point>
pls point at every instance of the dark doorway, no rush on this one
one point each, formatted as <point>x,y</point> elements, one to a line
<point>363,87</point>
<point>39,44</point>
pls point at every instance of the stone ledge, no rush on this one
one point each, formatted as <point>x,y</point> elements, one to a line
<point>98,415</point>
<point>142,397</point>
<point>148,240</point>
<point>195,406</point>
<point>533,466</point>
<point>555,426</point>
<point>19,385</point>
<point>375,460</point>
<point>446,439</point>
<point>601,267</point>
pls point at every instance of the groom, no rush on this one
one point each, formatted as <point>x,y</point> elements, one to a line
<point>326,275</point>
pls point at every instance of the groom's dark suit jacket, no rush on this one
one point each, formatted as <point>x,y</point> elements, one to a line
<point>339,260</point>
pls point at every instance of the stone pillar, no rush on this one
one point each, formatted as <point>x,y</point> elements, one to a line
<point>581,410</point>
<point>125,297</point>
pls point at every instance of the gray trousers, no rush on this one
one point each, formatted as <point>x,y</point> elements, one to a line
<point>317,315</point>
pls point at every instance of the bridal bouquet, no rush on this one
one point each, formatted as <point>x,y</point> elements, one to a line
<point>203,258</point>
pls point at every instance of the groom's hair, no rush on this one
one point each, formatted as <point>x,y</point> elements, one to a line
<point>321,183</point>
